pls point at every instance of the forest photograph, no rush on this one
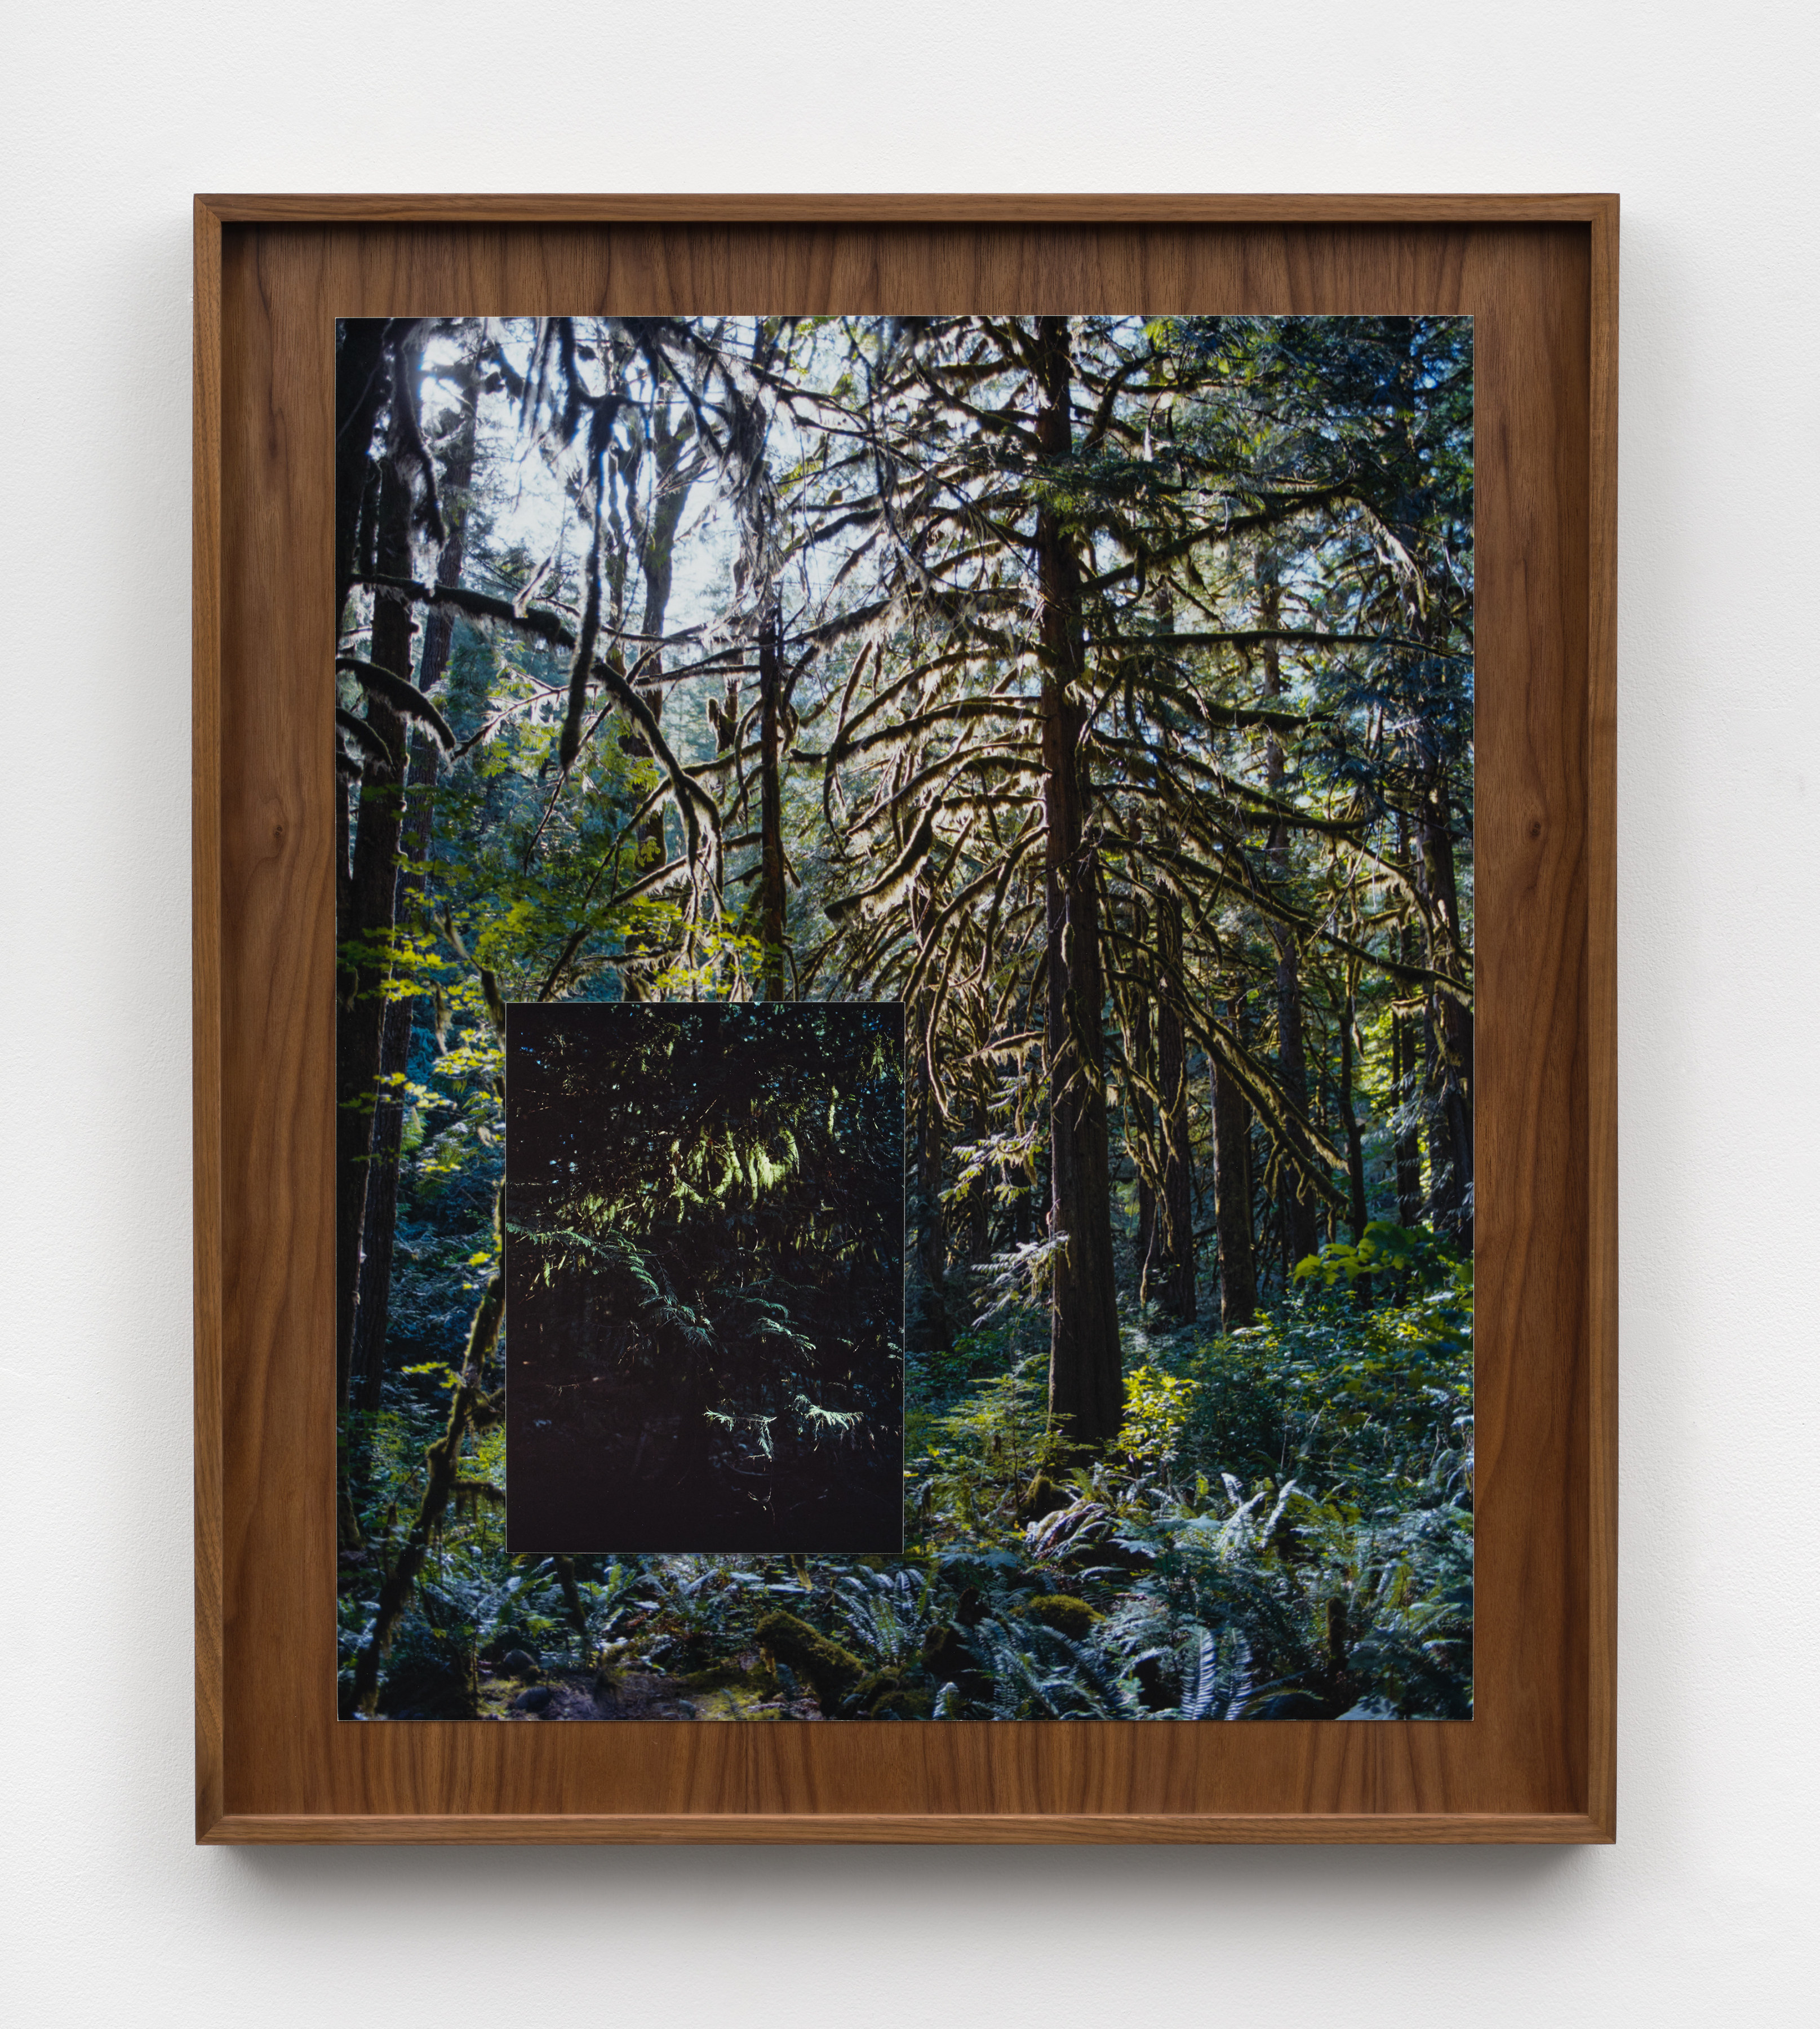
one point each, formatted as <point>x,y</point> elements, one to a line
<point>704,1277</point>
<point>904,913</point>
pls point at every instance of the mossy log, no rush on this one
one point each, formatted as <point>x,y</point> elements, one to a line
<point>831,1671</point>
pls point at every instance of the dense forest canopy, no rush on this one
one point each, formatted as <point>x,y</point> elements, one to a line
<point>1099,687</point>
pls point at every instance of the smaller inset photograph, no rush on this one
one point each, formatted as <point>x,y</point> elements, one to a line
<point>704,1277</point>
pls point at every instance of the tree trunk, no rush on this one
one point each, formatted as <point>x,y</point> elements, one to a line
<point>379,1228</point>
<point>1453,1023</point>
<point>980,1198</point>
<point>443,1461</point>
<point>928,1329</point>
<point>1444,1204</point>
<point>1176,1211</point>
<point>362,380</point>
<point>371,890</point>
<point>1449,1026</point>
<point>1360,1212</point>
<point>655,532</point>
<point>379,1225</point>
<point>1139,1101</point>
<point>1299,1200</point>
<point>1408,1147</point>
<point>1354,1134</point>
<point>1233,1196</point>
<point>771,878</point>
<point>1405,1070</point>
<point>724,719</point>
<point>1086,1383</point>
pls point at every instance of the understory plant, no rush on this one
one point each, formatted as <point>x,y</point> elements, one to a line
<point>1282,1528</point>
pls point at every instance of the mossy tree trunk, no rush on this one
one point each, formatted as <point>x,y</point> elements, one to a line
<point>654,523</point>
<point>1142,1116</point>
<point>1086,1387</point>
<point>1175,1285</point>
<point>771,874</point>
<point>443,1464</point>
<point>378,1227</point>
<point>1232,1193</point>
<point>1299,1203</point>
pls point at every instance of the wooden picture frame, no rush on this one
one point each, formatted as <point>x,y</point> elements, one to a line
<point>1536,1764</point>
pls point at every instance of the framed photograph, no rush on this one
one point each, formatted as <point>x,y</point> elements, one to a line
<point>905,1097</point>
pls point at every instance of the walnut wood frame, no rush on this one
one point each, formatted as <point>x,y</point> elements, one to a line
<point>1536,1763</point>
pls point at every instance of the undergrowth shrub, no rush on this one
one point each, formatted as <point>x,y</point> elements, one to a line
<point>1282,1528</point>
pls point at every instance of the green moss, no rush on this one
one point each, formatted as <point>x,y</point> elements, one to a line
<point>875,1685</point>
<point>902,1704</point>
<point>734,1702</point>
<point>1042,1496</point>
<point>884,1694</point>
<point>727,1676</point>
<point>1071,1617</point>
<point>830,1671</point>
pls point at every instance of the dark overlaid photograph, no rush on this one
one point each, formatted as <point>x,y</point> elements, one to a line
<point>704,1277</point>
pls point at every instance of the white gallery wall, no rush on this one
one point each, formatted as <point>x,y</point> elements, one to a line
<point>1703,117</point>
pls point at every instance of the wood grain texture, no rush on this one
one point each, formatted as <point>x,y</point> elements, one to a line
<point>1602,1027</point>
<point>1535,1764</point>
<point>899,208</point>
<point>205,1001</point>
<point>1168,1828</point>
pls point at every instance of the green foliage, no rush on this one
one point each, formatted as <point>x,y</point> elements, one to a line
<point>1283,1526</point>
<point>1411,1256</point>
<point>1285,1531</point>
<point>979,1458</point>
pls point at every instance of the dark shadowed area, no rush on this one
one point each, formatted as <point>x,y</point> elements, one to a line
<point>704,1265</point>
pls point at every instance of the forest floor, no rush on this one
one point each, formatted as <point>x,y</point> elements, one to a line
<point>742,1690</point>
<point>1282,1529</point>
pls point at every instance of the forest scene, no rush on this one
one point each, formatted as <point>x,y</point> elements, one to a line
<point>1099,691</point>
<point>704,1276</point>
